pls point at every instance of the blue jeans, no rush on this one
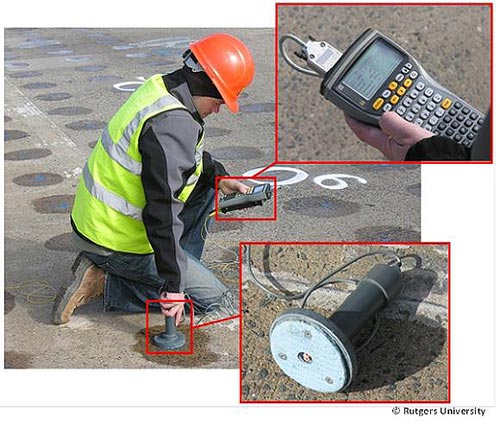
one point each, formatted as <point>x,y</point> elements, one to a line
<point>133,278</point>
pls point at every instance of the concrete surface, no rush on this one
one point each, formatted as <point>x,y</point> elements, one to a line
<point>406,360</point>
<point>451,42</point>
<point>59,93</point>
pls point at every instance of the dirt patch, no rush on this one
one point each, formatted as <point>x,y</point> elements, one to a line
<point>201,356</point>
<point>9,302</point>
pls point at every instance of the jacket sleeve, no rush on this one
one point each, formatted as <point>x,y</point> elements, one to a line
<point>437,148</point>
<point>167,145</point>
<point>211,169</point>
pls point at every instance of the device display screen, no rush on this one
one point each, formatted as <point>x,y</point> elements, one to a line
<point>258,188</point>
<point>371,70</point>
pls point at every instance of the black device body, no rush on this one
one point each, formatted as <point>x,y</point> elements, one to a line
<point>376,75</point>
<point>331,362</point>
<point>238,201</point>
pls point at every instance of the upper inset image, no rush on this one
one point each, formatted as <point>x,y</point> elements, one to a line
<point>384,83</point>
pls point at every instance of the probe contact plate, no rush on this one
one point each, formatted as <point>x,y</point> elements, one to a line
<point>311,353</point>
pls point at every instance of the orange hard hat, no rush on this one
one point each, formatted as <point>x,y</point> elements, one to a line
<point>228,63</point>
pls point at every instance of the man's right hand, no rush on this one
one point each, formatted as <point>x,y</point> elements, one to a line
<point>394,137</point>
<point>172,309</point>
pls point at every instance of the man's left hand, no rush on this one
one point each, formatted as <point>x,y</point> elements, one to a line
<point>229,185</point>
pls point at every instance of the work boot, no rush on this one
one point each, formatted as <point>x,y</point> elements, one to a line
<point>88,283</point>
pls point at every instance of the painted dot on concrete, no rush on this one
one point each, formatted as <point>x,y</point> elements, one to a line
<point>14,65</point>
<point>38,179</point>
<point>169,52</point>
<point>57,204</point>
<point>257,108</point>
<point>86,125</point>
<point>322,206</point>
<point>39,85</point>
<point>109,40</point>
<point>216,132</point>
<point>61,52</point>
<point>62,242</point>
<point>91,68</point>
<point>415,189</point>
<point>281,176</point>
<point>54,96</point>
<point>138,55</point>
<point>25,74</point>
<point>236,153</point>
<point>386,234</point>
<point>70,111</point>
<point>92,144</point>
<point>28,154</point>
<point>38,43</point>
<point>7,119</point>
<point>14,134</point>
<point>78,59</point>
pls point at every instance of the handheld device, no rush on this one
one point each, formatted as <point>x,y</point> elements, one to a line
<point>376,75</point>
<point>238,201</point>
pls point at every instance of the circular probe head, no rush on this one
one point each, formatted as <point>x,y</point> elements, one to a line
<point>312,350</point>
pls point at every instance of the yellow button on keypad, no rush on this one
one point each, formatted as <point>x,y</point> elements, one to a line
<point>446,103</point>
<point>377,105</point>
<point>394,99</point>
<point>407,83</point>
<point>393,85</point>
<point>401,91</point>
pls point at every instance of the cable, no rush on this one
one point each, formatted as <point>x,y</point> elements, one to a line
<point>205,226</point>
<point>292,64</point>
<point>263,287</point>
<point>416,257</point>
<point>328,281</point>
<point>320,284</point>
<point>226,306</point>
<point>306,294</point>
<point>222,266</point>
<point>34,296</point>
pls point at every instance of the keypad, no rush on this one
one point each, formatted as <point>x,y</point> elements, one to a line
<point>417,102</point>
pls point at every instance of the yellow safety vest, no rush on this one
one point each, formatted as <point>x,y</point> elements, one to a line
<point>110,197</point>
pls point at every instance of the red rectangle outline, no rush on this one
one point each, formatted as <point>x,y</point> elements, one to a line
<point>448,401</point>
<point>217,321</point>
<point>191,341</point>
<point>354,162</point>
<point>253,177</point>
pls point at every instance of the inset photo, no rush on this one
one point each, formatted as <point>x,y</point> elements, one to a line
<point>384,83</point>
<point>345,322</point>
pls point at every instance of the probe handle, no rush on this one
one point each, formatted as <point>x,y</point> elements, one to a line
<point>170,326</point>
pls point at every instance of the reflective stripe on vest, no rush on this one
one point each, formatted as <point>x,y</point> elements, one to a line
<point>193,179</point>
<point>118,150</point>
<point>110,198</point>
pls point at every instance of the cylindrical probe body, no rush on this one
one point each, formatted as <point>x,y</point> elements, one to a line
<point>381,284</point>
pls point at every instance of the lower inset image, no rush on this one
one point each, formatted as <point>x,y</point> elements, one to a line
<point>345,322</point>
